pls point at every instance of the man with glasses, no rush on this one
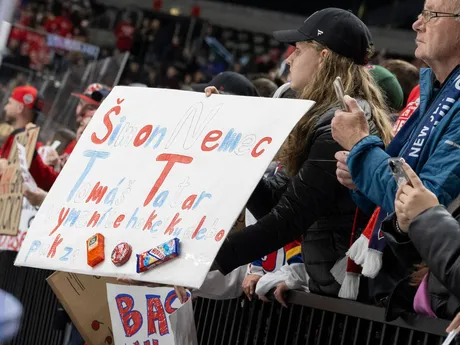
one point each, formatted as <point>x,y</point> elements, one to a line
<point>429,142</point>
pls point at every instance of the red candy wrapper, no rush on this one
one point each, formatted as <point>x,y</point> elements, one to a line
<point>158,255</point>
<point>121,254</point>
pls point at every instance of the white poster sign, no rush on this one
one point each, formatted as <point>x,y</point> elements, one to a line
<point>141,316</point>
<point>154,165</point>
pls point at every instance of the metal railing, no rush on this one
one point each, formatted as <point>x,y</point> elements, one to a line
<point>309,319</point>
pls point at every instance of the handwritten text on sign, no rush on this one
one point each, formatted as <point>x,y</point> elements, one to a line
<point>140,315</point>
<point>156,164</point>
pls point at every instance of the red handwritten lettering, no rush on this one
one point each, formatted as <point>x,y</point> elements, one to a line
<point>254,152</point>
<point>118,221</point>
<point>219,236</point>
<point>156,313</point>
<point>130,319</point>
<point>188,203</point>
<point>62,216</point>
<point>143,135</point>
<point>149,222</point>
<point>57,241</point>
<point>171,159</point>
<point>169,230</point>
<point>198,228</point>
<point>94,219</point>
<point>97,193</point>
<point>108,124</point>
<point>209,138</point>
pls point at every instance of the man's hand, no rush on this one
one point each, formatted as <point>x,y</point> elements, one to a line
<point>52,157</point>
<point>342,172</point>
<point>249,284</point>
<point>348,128</point>
<point>280,293</point>
<point>412,199</point>
<point>181,293</point>
<point>30,126</point>
<point>137,282</point>
<point>35,198</point>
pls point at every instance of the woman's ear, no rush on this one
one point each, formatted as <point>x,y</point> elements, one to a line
<point>323,54</point>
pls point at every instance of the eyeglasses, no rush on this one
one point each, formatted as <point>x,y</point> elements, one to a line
<point>427,15</point>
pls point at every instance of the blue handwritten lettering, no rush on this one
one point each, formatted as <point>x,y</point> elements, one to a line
<point>65,257</point>
<point>93,155</point>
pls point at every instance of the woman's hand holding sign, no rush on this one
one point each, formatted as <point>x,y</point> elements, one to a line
<point>211,90</point>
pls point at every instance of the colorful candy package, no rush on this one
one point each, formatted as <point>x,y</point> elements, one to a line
<point>158,255</point>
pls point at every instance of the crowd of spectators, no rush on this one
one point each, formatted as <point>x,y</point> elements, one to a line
<point>309,197</point>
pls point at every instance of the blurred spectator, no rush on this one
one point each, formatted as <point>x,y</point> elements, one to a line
<point>24,106</point>
<point>125,34</point>
<point>199,78</point>
<point>140,41</point>
<point>151,35</point>
<point>132,75</point>
<point>265,87</point>
<point>406,73</point>
<point>151,79</point>
<point>187,80</point>
<point>174,52</point>
<point>389,86</point>
<point>171,79</point>
<point>10,316</point>
<point>49,153</point>
<point>229,83</point>
<point>93,96</point>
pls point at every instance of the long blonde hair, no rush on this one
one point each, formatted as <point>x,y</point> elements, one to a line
<point>357,82</point>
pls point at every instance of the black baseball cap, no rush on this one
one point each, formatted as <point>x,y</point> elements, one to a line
<point>230,83</point>
<point>337,29</point>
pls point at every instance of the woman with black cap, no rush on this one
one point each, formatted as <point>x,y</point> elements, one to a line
<point>313,204</point>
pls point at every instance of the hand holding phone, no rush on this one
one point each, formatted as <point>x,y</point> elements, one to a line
<point>396,166</point>
<point>340,92</point>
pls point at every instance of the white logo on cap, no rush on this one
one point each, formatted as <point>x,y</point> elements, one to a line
<point>320,32</point>
<point>28,98</point>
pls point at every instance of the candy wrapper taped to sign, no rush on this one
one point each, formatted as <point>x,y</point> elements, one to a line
<point>158,255</point>
<point>95,250</point>
<point>121,254</point>
<point>154,165</point>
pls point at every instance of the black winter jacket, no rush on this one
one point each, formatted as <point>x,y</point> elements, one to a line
<point>434,239</point>
<point>313,204</point>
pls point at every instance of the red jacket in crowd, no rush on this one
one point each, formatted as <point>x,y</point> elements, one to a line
<point>412,104</point>
<point>125,35</point>
<point>44,175</point>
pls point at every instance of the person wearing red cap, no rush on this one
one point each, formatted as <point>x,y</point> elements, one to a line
<point>23,107</point>
<point>93,95</point>
<point>90,99</point>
